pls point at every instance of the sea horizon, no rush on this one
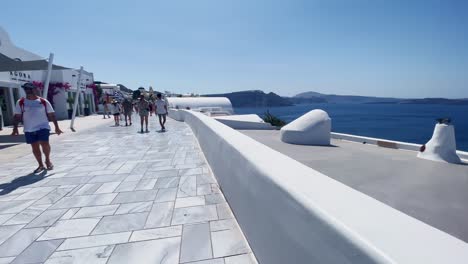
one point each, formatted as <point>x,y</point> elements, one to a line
<point>412,123</point>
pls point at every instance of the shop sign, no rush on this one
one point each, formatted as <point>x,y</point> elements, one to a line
<point>20,76</point>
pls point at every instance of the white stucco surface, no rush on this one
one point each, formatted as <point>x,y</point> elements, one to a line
<point>291,213</point>
<point>312,128</point>
<point>442,145</point>
<point>251,121</point>
<point>194,103</point>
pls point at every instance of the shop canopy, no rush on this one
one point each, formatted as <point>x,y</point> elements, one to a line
<point>9,64</point>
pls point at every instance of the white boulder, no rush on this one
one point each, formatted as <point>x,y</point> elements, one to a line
<point>442,146</point>
<point>312,128</point>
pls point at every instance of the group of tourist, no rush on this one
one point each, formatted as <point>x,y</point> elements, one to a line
<point>36,112</point>
<point>144,107</point>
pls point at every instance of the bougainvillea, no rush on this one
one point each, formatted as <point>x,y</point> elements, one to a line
<point>95,93</point>
<point>54,89</point>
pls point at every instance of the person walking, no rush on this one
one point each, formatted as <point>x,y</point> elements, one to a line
<point>106,109</point>
<point>143,110</point>
<point>115,110</point>
<point>35,113</point>
<point>161,110</point>
<point>128,110</point>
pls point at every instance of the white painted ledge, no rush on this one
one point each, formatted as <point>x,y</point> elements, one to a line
<point>312,128</point>
<point>291,213</point>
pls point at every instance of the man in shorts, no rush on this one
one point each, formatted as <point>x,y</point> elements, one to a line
<point>143,110</point>
<point>161,110</point>
<point>35,113</point>
<point>128,110</point>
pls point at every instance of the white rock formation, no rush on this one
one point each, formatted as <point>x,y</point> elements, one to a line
<point>442,146</point>
<point>312,128</point>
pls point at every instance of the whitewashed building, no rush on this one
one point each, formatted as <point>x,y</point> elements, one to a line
<point>11,81</point>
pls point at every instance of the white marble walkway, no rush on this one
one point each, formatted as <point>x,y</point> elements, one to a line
<point>117,196</point>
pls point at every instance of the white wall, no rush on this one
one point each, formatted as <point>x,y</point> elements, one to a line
<point>244,122</point>
<point>291,213</point>
<point>200,102</point>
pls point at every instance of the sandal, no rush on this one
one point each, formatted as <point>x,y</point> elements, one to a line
<point>50,166</point>
<point>39,169</point>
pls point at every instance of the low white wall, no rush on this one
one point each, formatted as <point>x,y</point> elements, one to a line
<point>244,122</point>
<point>291,213</point>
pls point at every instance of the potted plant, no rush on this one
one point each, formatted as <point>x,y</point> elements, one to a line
<point>70,102</point>
<point>87,111</point>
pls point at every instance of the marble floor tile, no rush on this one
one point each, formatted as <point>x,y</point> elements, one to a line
<point>160,215</point>
<point>108,178</point>
<point>54,195</point>
<point>69,213</point>
<point>85,200</point>
<point>166,173</point>
<point>135,196</point>
<point>204,189</point>
<point>88,188</point>
<point>35,193</point>
<point>205,179</point>
<point>196,243</point>
<point>70,228</point>
<point>134,177</point>
<point>167,182</point>
<point>12,207</point>
<point>189,201</point>
<point>195,214</point>
<point>224,211</point>
<point>37,252</point>
<point>95,241</point>
<point>156,233</point>
<point>190,172</point>
<point>121,223</point>
<point>216,198</point>
<point>20,241</point>
<point>5,217</point>
<point>68,180</point>
<point>166,195</point>
<point>95,211</point>
<point>225,224</point>
<point>241,259</point>
<point>187,186</point>
<point>126,186</point>
<point>6,260</point>
<point>138,207</point>
<point>27,215</point>
<point>209,261</point>
<point>7,231</point>
<point>228,243</point>
<point>145,184</point>
<point>94,255</point>
<point>147,252</point>
<point>107,187</point>
<point>47,218</point>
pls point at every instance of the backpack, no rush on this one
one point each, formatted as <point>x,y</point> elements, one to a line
<point>21,105</point>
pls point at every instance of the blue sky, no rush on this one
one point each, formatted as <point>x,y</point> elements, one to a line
<point>366,47</point>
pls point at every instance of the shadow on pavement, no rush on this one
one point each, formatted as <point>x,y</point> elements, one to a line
<point>25,180</point>
<point>12,139</point>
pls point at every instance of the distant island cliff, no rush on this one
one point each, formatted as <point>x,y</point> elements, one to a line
<point>254,98</point>
<point>257,98</point>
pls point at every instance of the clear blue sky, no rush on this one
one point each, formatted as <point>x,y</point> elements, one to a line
<point>416,48</point>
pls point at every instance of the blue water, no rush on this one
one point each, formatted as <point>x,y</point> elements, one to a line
<point>401,122</point>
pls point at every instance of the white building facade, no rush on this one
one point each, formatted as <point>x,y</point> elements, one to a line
<point>63,83</point>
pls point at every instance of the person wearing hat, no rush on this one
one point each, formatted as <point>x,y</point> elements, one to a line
<point>115,110</point>
<point>35,113</point>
